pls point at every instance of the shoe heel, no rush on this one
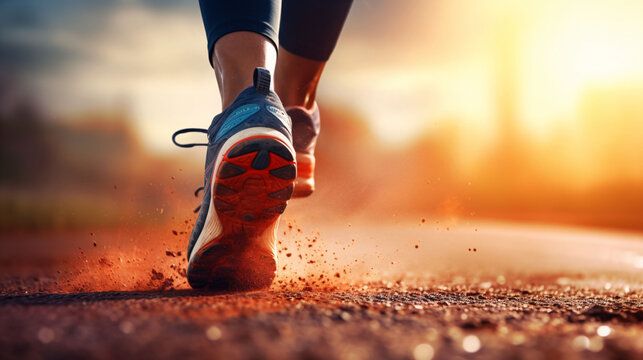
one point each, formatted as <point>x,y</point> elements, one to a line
<point>251,190</point>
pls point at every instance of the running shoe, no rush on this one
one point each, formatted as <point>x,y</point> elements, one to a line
<point>305,127</point>
<point>250,170</point>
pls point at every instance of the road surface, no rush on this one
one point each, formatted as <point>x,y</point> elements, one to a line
<point>419,289</point>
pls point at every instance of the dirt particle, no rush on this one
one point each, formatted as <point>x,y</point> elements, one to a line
<point>289,255</point>
<point>157,275</point>
<point>167,283</point>
<point>175,232</point>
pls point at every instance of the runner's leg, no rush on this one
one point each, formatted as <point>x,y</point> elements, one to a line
<point>242,35</point>
<point>308,34</point>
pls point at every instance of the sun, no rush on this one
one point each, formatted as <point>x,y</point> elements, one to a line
<point>571,50</point>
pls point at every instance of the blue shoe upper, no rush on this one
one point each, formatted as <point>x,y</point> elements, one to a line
<point>256,106</point>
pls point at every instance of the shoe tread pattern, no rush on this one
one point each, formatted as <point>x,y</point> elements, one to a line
<point>251,191</point>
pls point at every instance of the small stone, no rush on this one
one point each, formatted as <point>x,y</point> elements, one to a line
<point>213,333</point>
<point>126,327</point>
<point>471,343</point>
<point>580,343</point>
<point>603,331</point>
<point>423,352</point>
<point>46,335</point>
<point>345,316</point>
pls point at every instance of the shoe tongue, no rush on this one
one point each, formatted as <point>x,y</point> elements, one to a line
<point>261,81</point>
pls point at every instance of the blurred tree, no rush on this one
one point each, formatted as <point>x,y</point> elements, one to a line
<point>25,151</point>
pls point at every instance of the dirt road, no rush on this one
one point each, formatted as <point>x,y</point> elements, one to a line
<point>409,290</point>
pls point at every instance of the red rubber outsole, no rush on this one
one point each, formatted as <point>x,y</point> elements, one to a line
<point>251,190</point>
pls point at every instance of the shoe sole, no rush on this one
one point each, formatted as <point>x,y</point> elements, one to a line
<point>305,182</point>
<point>252,187</point>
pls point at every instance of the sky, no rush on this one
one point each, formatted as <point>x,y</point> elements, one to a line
<point>406,66</point>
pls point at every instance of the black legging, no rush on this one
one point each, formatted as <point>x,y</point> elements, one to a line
<point>309,28</point>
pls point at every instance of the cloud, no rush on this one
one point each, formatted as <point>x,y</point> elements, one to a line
<point>41,37</point>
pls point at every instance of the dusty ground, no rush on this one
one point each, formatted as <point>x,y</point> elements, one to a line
<point>410,290</point>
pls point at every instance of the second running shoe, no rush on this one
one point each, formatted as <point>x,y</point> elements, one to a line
<point>250,171</point>
<point>305,128</point>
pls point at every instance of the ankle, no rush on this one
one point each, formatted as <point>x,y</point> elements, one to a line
<point>297,95</point>
<point>235,57</point>
<point>296,79</point>
<point>233,83</point>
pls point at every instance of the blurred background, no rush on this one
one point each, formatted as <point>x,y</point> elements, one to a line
<point>450,110</point>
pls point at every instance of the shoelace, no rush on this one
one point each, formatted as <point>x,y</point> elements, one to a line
<point>185,131</point>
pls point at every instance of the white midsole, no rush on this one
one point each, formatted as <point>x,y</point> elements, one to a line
<point>212,227</point>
